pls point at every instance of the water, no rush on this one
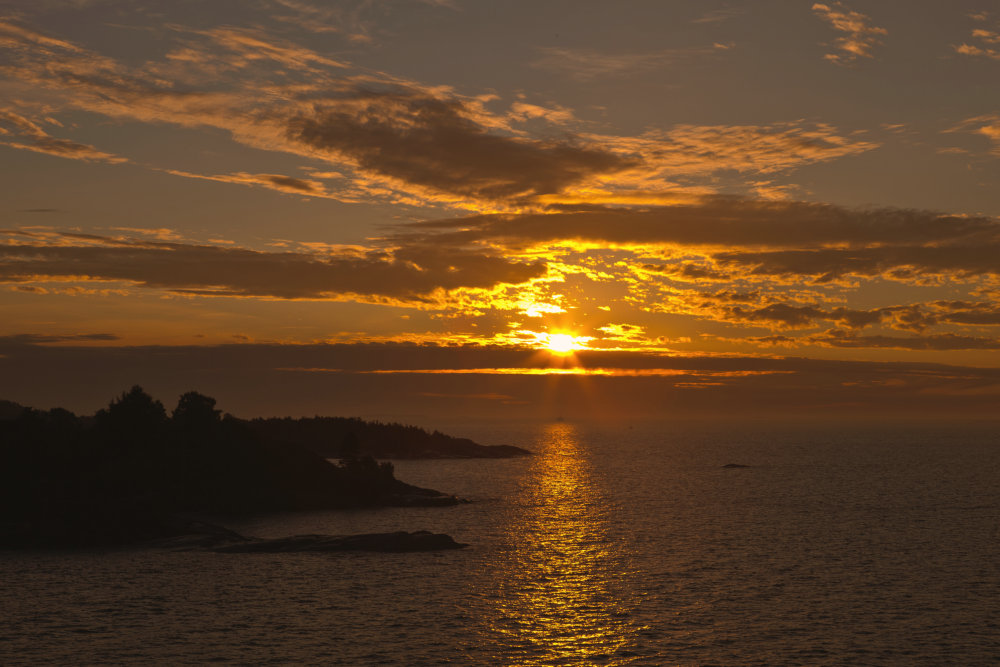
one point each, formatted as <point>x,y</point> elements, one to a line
<point>613,546</point>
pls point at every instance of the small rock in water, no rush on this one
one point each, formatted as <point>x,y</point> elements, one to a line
<point>735,465</point>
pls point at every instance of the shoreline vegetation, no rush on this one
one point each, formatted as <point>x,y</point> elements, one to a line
<point>127,474</point>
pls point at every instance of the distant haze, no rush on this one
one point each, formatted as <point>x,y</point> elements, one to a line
<point>434,384</point>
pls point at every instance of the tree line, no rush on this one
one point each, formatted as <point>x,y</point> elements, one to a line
<point>125,473</point>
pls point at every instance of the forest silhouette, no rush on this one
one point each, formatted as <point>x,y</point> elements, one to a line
<point>130,471</point>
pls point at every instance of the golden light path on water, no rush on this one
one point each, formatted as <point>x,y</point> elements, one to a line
<point>564,595</point>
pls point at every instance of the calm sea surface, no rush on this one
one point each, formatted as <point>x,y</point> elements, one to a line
<point>615,545</point>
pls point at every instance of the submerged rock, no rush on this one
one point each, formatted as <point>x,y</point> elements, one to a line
<point>422,500</point>
<point>735,465</point>
<point>196,535</point>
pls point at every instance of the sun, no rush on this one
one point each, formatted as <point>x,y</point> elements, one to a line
<point>562,343</point>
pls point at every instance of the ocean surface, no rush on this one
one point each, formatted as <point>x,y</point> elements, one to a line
<point>615,545</point>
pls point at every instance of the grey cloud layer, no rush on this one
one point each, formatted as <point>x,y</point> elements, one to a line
<point>911,317</point>
<point>84,379</point>
<point>946,341</point>
<point>731,223</point>
<point>907,263</point>
<point>408,274</point>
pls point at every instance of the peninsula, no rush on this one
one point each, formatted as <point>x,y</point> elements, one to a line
<point>125,474</point>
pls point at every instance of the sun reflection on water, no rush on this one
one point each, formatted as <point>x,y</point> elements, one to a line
<point>563,596</point>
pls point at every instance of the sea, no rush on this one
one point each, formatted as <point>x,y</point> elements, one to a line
<point>615,544</point>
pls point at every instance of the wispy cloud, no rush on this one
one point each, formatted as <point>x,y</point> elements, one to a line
<point>281,183</point>
<point>720,15</point>
<point>986,126</point>
<point>248,46</point>
<point>30,136</point>
<point>761,149</point>
<point>355,19</point>
<point>584,65</point>
<point>19,36</point>
<point>860,36</point>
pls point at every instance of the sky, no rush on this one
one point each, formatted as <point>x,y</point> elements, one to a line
<point>441,207</point>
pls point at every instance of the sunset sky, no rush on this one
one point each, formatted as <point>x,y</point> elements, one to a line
<point>400,208</point>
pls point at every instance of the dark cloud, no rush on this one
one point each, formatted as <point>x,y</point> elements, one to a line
<point>37,339</point>
<point>774,341</point>
<point>688,271</point>
<point>945,341</point>
<point>409,273</point>
<point>289,182</point>
<point>912,317</point>
<point>726,221</point>
<point>965,312</point>
<point>789,316</point>
<point>904,263</point>
<point>728,296</point>
<point>438,144</point>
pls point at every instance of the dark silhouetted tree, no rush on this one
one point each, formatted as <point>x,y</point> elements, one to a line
<point>196,413</point>
<point>133,414</point>
<point>350,448</point>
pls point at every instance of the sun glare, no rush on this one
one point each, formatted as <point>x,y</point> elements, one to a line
<point>562,343</point>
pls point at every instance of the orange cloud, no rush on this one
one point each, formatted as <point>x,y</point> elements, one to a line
<point>860,37</point>
<point>399,140</point>
<point>986,42</point>
<point>41,141</point>
<point>279,182</point>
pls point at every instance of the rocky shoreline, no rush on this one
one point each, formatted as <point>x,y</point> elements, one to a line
<point>202,536</point>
